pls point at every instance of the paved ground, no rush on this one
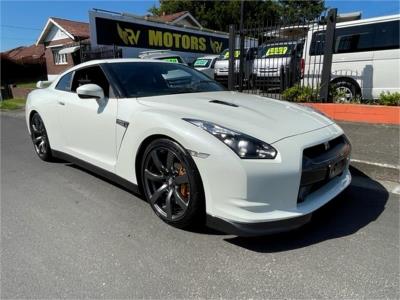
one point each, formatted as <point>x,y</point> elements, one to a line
<point>374,143</point>
<point>66,233</point>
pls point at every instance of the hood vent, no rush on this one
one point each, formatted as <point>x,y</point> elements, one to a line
<point>224,103</point>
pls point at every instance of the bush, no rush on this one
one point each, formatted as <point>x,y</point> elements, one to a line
<point>387,98</point>
<point>12,104</point>
<point>300,94</point>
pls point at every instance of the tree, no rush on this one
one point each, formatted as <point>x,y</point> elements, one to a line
<point>218,15</point>
<point>301,11</point>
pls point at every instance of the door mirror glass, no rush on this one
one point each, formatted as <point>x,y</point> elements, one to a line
<point>90,90</point>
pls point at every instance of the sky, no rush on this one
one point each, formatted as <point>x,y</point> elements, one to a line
<point>22,21</point>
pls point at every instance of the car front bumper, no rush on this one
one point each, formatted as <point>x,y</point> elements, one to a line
<point>254,197</point>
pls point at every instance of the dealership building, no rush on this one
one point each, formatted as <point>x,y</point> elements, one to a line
<point>111,34</point>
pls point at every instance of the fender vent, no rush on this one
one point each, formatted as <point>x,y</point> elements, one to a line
<point>223,103</point>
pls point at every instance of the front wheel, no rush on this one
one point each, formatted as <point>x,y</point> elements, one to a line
<point>40,138</point>
<point>172,184</point>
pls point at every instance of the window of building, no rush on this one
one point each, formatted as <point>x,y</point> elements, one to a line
<point>59,59</point>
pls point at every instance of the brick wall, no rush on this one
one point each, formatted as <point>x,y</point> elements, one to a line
<point>18,92</point>
<point>52,68</point>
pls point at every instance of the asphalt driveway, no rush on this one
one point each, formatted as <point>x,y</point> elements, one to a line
<point>66,233</point>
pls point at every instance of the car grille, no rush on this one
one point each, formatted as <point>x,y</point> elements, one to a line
<point>322,163</point>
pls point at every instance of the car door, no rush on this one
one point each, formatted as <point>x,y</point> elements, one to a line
<point>89,124</point>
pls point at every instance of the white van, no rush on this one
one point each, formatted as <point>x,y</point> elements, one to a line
<point>271,57</point>
<point>206,64</point>
<point>366,59</point>
<point>221,68</point>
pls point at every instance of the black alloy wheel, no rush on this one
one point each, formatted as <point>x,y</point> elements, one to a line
<point>39,138</point>
<point>172,184</point>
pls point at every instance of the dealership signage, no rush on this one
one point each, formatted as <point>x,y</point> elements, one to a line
<point>133,34</point>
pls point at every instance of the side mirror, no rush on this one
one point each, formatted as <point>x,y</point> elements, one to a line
<point>43,84</point>
<point>90,90</point>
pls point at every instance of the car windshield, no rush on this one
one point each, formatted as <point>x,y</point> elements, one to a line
<point>202,63</point>
<point>173,59</point>
<point>276,50</point>
<point>225,54</point>
<point>144,79</point>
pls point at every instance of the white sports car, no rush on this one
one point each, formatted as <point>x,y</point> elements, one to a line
<point>244,164</point>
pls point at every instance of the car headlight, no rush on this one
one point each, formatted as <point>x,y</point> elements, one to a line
<point>242,144</point>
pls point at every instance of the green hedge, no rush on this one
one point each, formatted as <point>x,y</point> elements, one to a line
<point>301,94</point>
<point>387,98</point>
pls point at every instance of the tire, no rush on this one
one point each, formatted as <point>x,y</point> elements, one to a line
<point>344,91</point>
<point>172,185</point>
<point>40,138</point>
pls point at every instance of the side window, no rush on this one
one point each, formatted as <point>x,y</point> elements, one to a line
<point>387,35</point>
<point>64,84</point>
<point>91,75</point>
<point>354,39</point>
<point>317,43</point>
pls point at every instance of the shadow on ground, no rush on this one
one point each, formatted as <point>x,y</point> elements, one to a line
<point>352,210</point>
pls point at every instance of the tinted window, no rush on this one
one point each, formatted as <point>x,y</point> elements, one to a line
<point>172,59</point>
<point>142,79</point>
<point>276,50</point>
<point>225,54</point>
<point>379,36</point>
<point>64,84</point>
<point>353,39</point>
<point>387,35</point>
<point>202,63</point>
<point>91,75</point>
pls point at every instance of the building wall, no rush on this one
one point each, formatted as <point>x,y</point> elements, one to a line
<point>52,69</point>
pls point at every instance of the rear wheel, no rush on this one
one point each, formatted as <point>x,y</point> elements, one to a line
<point>344,91</point>
<point>172,184</point>
<point>40,138</point>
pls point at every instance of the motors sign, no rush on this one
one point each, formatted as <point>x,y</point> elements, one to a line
<point>128,34</point>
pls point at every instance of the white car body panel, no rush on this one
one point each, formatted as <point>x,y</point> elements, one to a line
<point>241,190</point>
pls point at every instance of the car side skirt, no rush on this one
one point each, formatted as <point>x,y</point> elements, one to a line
<point>134,188</point>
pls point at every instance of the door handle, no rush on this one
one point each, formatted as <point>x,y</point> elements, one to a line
<point>61,102</point>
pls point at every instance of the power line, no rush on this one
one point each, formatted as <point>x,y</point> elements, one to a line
<point>20,27</point>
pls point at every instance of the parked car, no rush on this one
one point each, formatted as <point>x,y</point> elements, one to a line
<point>365,61</point>
<point>164,55</point>
<point>206,64</point>
<point>221,68</point>
<point>246,165</point>
<point>275,58</point>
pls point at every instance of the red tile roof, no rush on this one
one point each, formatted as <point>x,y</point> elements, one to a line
<point>75,28</point>
<point>171,17</point>
<point>31,52</point>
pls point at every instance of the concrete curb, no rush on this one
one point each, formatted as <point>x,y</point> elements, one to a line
<point>375,114</point>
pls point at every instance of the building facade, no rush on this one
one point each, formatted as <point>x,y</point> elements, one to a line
<point>60,38</point>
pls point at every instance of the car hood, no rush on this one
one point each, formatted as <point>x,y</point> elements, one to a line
<point>264,118</point>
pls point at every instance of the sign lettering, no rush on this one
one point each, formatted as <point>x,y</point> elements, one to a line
<point>126,34</point>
